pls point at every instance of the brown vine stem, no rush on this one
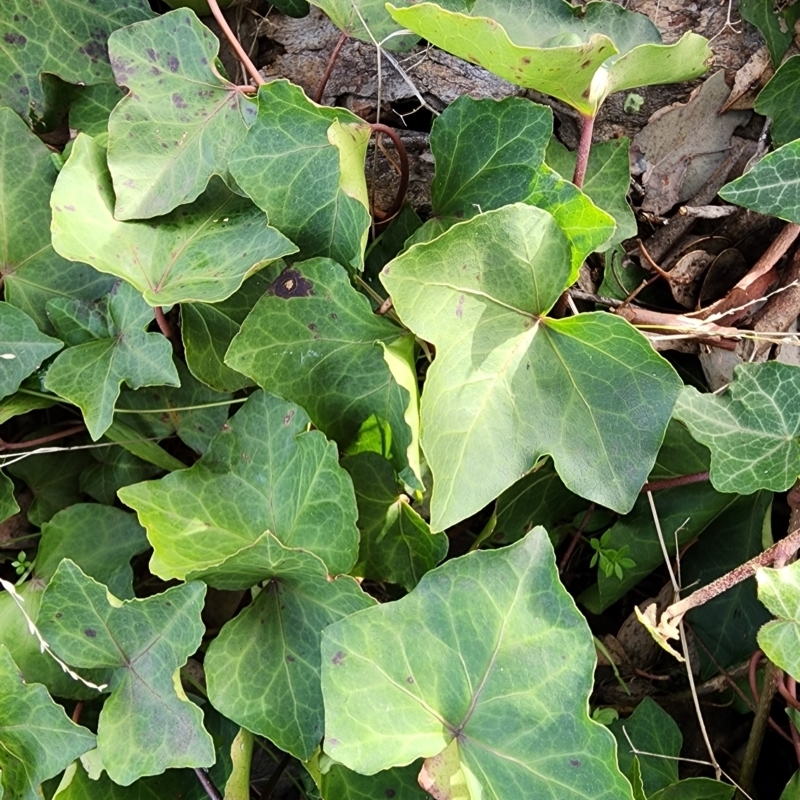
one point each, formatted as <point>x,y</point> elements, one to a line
<point>329,68</point>
<point>584,148</point>
<point>205,781</point>
<point>671,483</point>
<point>379,127</point>
<point>163,324</point>
<point>52,437</point>
<point>234,42</point>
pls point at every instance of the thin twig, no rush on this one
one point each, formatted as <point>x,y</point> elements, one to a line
<point>234,42</point>
<point>671,483</point>
<point>207,784</point>
<point>379,127</point>
<point>385,307</point>
<point>52,437</point>
<point>576,538</point>
<point>329,68</point>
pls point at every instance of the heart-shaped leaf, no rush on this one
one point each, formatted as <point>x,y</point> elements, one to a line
<point>509,384</point>
<point>147,724</point>
<point>263,668</point>
<point>752,430</point>
<point>22,348</point>
<point>779,591</point>
<point>37,738</point>
<point>111,346</point>
<point>58,38</point>
<point>456,668</point>
<point>303,164</point>
<point>263,472</point>
<point>31,270</point>
<point>203,251</point>
<point>181,121</point>
<point>578,54</point>
<point>314,339</point>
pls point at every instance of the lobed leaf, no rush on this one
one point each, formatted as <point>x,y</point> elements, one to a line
<point>779,591</point>
<point>778,101</point>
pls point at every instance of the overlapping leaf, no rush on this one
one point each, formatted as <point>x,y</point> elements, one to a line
<point>22,348</point>
<point>114,468</point>
<point>37,738</point>
<point>31,270</point>
<point>147,724</point>
<point>263,472</point>
<point>779,591</point>
<point>752,430</point>
<point>109,346</point>
<point>304,165</point>
<point>92,106</point>
<point>399,783</point>
<point>314,340</point>
<point>457,669</point>
<point>8,503</point>
<point>263,668</point>
<point>181,121</point>
<point>202,252</point>
<point>508,384</point>
<point>57,38</point>
<point>778,101</point>
<point>579,55</point>
<point>775,23</point>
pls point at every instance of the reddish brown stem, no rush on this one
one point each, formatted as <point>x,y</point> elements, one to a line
<point>234,42</point>
<point>328,69</point>
<point>384,307</point>
<point>576,538</point>
<point>671,483</point>
<point>584,148</point>
<point>205,781</point>
<point>76,712</point>
<point>379,127</point>
<point>52,437</point>
<point>163,324</point>
<point>787,687</point>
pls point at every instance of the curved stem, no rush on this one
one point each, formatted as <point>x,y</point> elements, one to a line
<point>205,781</point>
<point>52,437</point>
<point>234,42</point>
<point>584,148</point>
<point>163,324</point>
<point>328,69</point>
<point>379,127</point>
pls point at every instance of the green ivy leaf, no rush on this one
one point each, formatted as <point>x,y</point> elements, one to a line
<point>37,738</point>
<point>508,384</point>
<point>608,178</point>
<point>314,340</point>
<point>263,668</point>
<point>396,543</point>
<point>58,38</point>
<point>8,503</point>
<point>147,724</point>
<point>779,591</point>
<point>752,430</point>
<point>399,783</point>
<point>92,106</point>
<point>31,270</point>
<point>696,789</point>
<point>367,20</point>
<point>22,348</point>
<point>772,186</point>
<point>774,22</point>
<point>578,54</point>
<point>303,164</point>
<point>778,99</point>
<point>263,472</point>
<point>207,331</point>
<point>22,403</point>
<point>201,252</point>
<point>114,468</point>
<point>90,374</point>
<point>181,121</point>
<point>450,666</point>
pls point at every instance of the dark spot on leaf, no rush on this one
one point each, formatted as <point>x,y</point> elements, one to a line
<point>173,64</point>
<point>15,38</point>
<point>574,762</point>
<point>338,658</point>
<point>69,208</point>
<point>585,94</point>
<point>331,742</point>
<point>59,615</point>
<point>178,101</point>
<point>290,659</point>
<point>313,328</point>
<point>24,91</point>
<point>288,418</point>
<point>204,61</point>
<point>526,60</point>
<point>409,679</point>
<point>90,632</point>
<point>290,283</point>
<point>460,306</point>
<point>155,71</point>
<point>151,54</point>
<point>96,51</point>
<point>390,792</point>
<point>586,63</point>
<point>334,316</point>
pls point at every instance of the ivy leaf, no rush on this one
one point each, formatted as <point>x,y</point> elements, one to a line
<point>22,348</point>
<point>114,468</point>
<point>58,38</point>
<point>508,384</point>
<point>38,739</point>
<point>396,543</point>
<point>147,724</point>
<point>31,270</point>
<point>263,472</point>
<point>472,177</point>
<point>303,164</point>
<point>695,789</point>
<point>367,20</point>
<point>207,331</point>
<point>22,403</point>
<point>578,54</point>
<point>8,503</point>
<point>181,120</point>
<point>752,430</point>
<point>608,178</point>
<point>90,374</point>
<point>772,186</point>
<point>340,783</point>
<point>774,22</point>
<point>779,591</point>
<point>92,106</point>
<point>263,668</point>
<point>201,252</point>
<point>777,101</point>
<point>454,677</point>
<point>314,340</point>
